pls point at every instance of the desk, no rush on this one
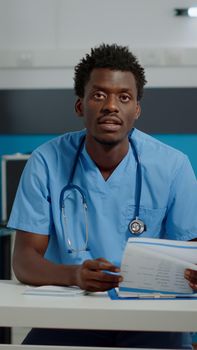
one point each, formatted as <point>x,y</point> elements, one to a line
<point>93,312</point>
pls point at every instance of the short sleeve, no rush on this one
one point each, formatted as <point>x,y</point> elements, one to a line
<point>181,220</point>
<point>32,206</point>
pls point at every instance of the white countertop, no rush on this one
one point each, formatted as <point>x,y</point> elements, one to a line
<point>93,312</point>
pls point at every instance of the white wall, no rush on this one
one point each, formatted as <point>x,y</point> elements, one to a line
<point>41,40</point>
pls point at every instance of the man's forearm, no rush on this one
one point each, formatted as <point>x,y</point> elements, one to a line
<point>34,269</point>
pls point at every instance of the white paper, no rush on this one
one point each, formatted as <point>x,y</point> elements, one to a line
<point>152,265</point>
<point>180,249</point>
<point>50,290</point>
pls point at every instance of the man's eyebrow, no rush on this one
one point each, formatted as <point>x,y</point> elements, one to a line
<point>101,87</point>
<point>98,87</point>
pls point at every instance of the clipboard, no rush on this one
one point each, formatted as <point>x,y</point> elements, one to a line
<point>113,295</point>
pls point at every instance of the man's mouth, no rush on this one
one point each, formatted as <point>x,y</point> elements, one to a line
<point>110,123</point>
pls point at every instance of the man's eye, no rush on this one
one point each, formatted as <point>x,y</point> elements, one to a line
<point>99,96</point>
<point>125,98</point>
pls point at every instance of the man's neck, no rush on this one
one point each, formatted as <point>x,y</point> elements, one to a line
<point>107,157</point>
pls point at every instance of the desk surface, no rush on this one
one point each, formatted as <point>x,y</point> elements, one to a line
<point>93,312</point>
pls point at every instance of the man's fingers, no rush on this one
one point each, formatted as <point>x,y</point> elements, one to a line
<point>95,286</point>
<point>107,266</point>
<point>193,286</point>
<point>103,276</point>
<point>98,275</point>
<point>100,264</point>
<point>99,286</point>
<point>191,276</point>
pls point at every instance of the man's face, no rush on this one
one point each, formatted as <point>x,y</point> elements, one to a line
<point>109,106</point>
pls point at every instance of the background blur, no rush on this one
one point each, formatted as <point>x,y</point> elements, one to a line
<point>42,40</point>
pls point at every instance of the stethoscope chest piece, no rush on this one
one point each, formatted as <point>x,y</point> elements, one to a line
<point>137,226</point>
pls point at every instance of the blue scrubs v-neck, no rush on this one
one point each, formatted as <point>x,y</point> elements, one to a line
<point>107,203</point>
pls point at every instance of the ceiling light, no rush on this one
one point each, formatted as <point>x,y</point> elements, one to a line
<point>191,12</point>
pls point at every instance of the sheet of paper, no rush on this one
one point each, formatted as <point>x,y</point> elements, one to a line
<point>148,270</point>
<point>180,249</point>
<point>51,290</point>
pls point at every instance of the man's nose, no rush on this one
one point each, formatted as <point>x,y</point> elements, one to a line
<point>111,104</point>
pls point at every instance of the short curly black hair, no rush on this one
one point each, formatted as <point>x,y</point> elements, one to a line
<point>114,57</point>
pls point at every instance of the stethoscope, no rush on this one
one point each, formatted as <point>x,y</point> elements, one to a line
<point>136,225</point>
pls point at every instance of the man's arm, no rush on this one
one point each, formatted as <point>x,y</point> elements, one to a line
<point>31,267</point>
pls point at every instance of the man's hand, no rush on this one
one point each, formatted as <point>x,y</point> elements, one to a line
<point>191,276</point>
<point>95,275</point>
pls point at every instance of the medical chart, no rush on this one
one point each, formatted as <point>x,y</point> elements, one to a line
<point>157,266</point>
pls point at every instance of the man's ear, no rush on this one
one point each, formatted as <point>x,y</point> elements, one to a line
<point>138,111</point>
<point>79,107</point>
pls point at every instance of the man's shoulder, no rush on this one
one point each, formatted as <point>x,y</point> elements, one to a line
<point>148,144</point>
<point>65,143</point>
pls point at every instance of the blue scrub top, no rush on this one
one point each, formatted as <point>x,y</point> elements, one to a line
<point>167,207</point>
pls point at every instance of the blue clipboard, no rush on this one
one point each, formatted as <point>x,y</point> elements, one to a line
<point>112,293</point>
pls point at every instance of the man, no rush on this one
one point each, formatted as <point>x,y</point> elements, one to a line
<point>78,194</point>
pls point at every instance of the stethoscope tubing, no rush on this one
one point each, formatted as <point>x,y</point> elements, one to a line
<point>136,226</point>
<point>70,184</point>
<point>138,178</point>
